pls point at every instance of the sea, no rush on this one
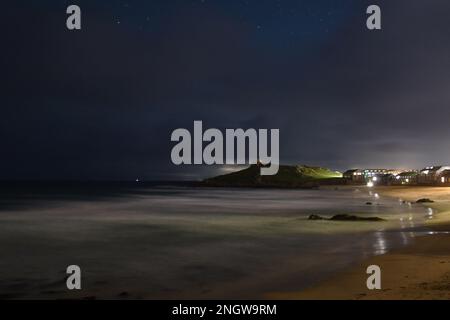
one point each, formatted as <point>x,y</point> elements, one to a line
<point>164,240</point>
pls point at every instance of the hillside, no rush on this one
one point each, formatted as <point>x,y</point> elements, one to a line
<point>300,176</point>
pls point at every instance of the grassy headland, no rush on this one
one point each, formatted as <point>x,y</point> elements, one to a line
<point>300,176</point>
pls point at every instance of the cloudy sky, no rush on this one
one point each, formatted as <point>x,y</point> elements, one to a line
<point>101,103</point>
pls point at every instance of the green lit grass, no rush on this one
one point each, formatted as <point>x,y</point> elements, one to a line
<point>287,177</point>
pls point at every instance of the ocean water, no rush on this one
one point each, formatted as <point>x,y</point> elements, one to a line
<point>179,241</point>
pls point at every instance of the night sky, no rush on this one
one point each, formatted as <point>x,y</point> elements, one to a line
<point>101,103</point>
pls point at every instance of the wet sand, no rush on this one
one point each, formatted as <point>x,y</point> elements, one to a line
<point>419,271</point>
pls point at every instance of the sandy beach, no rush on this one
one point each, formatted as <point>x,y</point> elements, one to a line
<point>419,271</point>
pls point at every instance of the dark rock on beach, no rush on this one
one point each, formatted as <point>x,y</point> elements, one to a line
<point>345,217</point>
<point>315,217</point>
<point>424,200</point>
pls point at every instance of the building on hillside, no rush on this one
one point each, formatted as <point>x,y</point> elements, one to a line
<point>444,177</point>
<point>354,176</point>
<point>431,175</point>
<point>395,172</point>
<point>385,179</point>
<point>363,176</point>
<point>380,176</point>
<point>405,178</point>
<point>375,176</point>
<point>348,175</point>
<point>369,173</point>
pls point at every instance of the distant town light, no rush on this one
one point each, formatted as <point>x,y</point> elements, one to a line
<point>370,184</point>
<point>443,179</point>
<point>375,178</point>
<point>397,177</point>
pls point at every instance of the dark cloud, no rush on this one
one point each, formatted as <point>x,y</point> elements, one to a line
<point>101,103</point>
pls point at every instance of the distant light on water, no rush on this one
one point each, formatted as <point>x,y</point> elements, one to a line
<point>380,245</point>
